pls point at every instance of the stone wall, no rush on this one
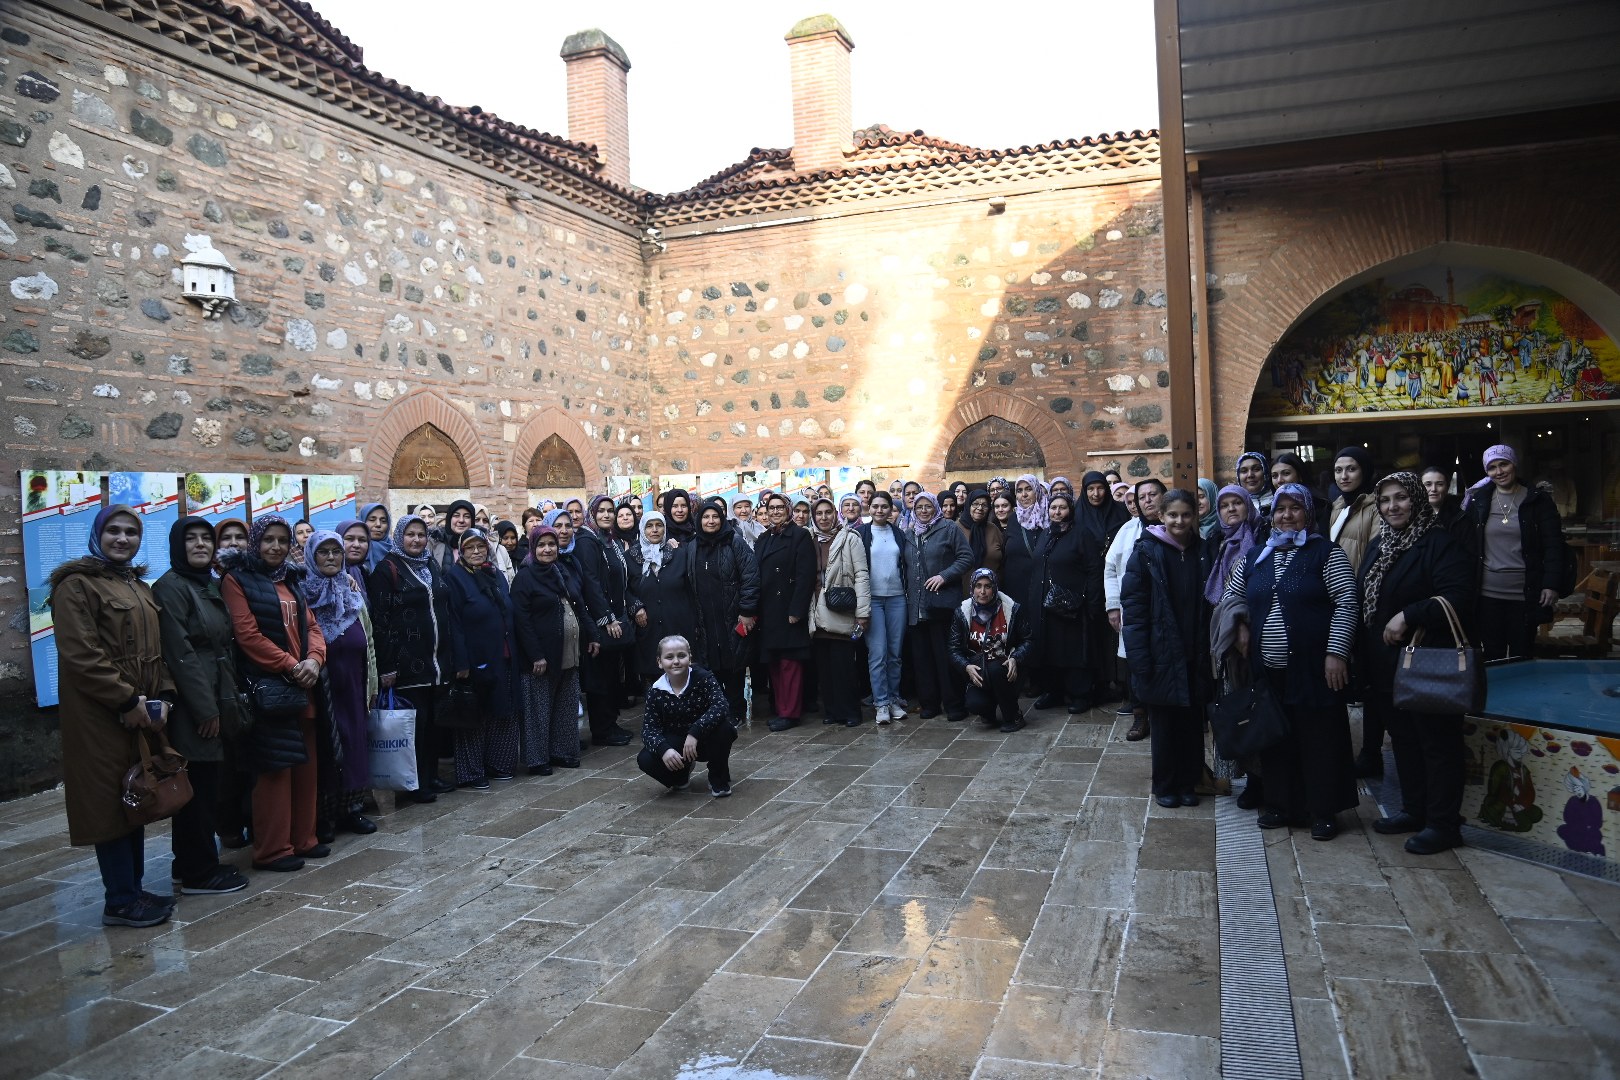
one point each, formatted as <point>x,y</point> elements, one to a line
<point>380,287</point>
<point>1278,242</point>
<point>846,341</point>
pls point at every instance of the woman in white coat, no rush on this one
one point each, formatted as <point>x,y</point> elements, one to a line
<point>1148,493</point>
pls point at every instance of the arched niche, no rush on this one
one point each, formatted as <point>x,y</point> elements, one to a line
<point>427,458</point>
<point>542,428</point>
<point>403,418</point>
<point>1057,446</point>
<point>994,444</point>
<point>555,465</point>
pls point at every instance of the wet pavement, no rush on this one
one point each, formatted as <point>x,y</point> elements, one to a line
<point>929,900</point>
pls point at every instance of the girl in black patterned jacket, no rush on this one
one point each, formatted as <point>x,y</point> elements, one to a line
<point>686,719</point>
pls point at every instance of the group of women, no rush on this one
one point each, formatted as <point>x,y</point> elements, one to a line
<point>1313,601</point>
<point>262,651</point>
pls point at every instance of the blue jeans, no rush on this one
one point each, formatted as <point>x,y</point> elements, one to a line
<point>122,862</point>
<point>883,640</point>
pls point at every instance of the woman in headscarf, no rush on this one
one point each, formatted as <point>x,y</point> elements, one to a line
<point>1101,518</point>
<point>1209,519</point>
<point>801,511</point>
<point>429,516</point>
<point>379,524</point>
<point>786,560</point>
<point>1018,545</point>
<point>985,539</point>
<point>278,638</point>
<point>627,531</point>
<point>576,511</point>
<point>960,492</point>
<point>338,605</point>
<point>1029,495</point>
<point>1298,634</point>
<point>410,609</point>
<point>357,547</point>
<point>849,510</point>
<point>1516,545</point>
<point>1237,520</point>
<point>667,593</point>
<point>108,647</point>
<point>1290,468</point>
<point>446,541</point>
<point>1145,503</point>
<point>676,505</point>
<point>725,588</point>
<point>1065,599</point>
<point>197,650</point>
<point>841,564</point>
<point>507,540</point>
<point>1411,562</point>
<point>990,641</point>
<point>481,642</point>
<point>1060,486</point>
<point>234,806</point>
<point>1167,623</point>
<point>1254,476</point>
<point>1354,518</point>
<point>609,676</point>
<point>230,535</point>
<point>937,558</point>
<point>948,507</point>
<point>554,633</point>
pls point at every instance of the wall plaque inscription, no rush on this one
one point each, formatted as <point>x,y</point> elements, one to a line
<point>555,465</point>
<point>427,458</point>
<point>994,443</point>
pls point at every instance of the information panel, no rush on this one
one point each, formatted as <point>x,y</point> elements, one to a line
<point>216,497</point>
<point>331,500</point>
<point>156,497</point>
<point>58,509</point>
<point>277,493</point>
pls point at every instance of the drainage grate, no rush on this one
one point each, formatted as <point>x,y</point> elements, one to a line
<point>1387,794</point>
<point>1258,1039</point>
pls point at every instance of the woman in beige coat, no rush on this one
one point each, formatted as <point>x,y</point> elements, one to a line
<point>109,651</point>
<point>841,562</point>
<point>1353,521</point>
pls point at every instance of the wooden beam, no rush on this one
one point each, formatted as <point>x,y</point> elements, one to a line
<point>1178,283</point>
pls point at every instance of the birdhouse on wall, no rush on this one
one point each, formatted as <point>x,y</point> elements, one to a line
<point>209,279</point>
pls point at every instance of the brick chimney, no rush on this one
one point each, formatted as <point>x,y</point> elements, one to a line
<point>598,101</point>
<point>818,56</point>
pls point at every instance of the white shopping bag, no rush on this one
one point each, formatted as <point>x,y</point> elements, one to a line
<point>391,736</point>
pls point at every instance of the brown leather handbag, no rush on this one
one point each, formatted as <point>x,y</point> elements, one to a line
<point>1445,680</point>
<point>156,786</point>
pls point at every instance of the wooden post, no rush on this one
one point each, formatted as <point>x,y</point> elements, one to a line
<point>1178,281</point>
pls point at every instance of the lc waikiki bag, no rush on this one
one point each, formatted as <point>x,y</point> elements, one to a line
<point>158,785</point>
<point>1247,720</point>
<point>391,740</point>
<point>1446,680</point>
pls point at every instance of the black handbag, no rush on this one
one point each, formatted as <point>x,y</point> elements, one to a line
<point>1448,680</point>
<point>1062,602</point>
<point>274,698</point>
<point>1247,721</point>
<point>461,709</point>
<point>839,598</point>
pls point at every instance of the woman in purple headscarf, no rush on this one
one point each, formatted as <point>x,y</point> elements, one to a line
<point>1517,542</point>
<point>337,602</point>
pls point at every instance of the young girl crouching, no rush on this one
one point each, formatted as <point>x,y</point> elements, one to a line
<point>686,719</point>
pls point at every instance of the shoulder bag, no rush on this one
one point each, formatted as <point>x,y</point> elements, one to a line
<point>1447,680</point>
<point>1247,721</point>
<point>1062,602</point>
<point>156,786</point>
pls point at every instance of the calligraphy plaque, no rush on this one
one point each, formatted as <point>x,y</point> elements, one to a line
<point>555,465</point>
<point>427,458</point>
<point>997,444</point>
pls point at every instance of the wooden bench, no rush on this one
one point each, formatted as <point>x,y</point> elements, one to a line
<point>1598,596</point>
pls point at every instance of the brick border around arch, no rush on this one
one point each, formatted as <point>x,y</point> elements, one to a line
<point>407,414</point>
<point>541,426</point>
<point>1059,446</point>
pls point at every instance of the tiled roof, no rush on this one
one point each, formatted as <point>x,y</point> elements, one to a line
<point>297,12</point>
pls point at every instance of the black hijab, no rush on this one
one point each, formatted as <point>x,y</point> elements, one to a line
<point>177,550</point>
<point>976,529</point>
<point>1100,522</point>
<point>679,530</point>
<point>1368,479</point>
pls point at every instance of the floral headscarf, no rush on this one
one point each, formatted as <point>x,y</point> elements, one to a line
<point>1235,543</point>
<point>1392,544</point>
<point>1034,515</point>
<point>334,601</point>
<point>255,561</point>
<point>419,565</point>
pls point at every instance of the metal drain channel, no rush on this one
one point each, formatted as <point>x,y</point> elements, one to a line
<point>1258,1038</point>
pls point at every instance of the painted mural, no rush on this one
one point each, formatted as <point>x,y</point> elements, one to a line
<point>1559,788</point>
<point>1439,338</point>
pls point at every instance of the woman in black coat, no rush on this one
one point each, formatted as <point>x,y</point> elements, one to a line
<point>1068,566</point>
<point>666,592</point>
<point>990,641</point>
<point>1018,546</point>
<point>481,638</point>
<point>1411,561</point>
<point>1166,627</point>
<point>410,613</point>
<point>1517,543</point>
<point>937,559</point>
<point>725,598</point>
<point>554,636</point>
<point>786,556</point>
<point>605,562</point>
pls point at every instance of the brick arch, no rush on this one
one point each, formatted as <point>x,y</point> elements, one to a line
<point>407,414</point>
<point>1057,442</point>
<point>541,426</point>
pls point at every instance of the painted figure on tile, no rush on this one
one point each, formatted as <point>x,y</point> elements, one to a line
<point>1582,829</point>
<point>1510,794</point>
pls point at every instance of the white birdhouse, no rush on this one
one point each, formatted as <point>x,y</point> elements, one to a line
<point>209,279</point>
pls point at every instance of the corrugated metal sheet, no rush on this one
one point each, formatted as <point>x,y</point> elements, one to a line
<point>1259,72</point>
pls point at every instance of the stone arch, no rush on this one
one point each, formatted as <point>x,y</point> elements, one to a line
<point>1057,443</point>
<point>407,414</point>
<point>543,425</point>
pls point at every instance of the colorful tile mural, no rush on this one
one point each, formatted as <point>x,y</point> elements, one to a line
<point>1559,788</point>
<point>1439,338</point>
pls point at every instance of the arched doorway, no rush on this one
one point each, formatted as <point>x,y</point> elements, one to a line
<point>994,446</point>
<point>427,467</point>
<point>1429,359</point>
<point>555,469</point>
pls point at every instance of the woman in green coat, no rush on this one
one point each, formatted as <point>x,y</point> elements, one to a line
<point>196,632</point>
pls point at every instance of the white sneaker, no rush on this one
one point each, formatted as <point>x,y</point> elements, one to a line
<point>883,716</point>
<point>897,711</point>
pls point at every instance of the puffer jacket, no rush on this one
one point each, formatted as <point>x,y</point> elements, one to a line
<point>846,566</point>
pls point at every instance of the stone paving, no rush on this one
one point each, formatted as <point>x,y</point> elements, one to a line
<point>930,900</point>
